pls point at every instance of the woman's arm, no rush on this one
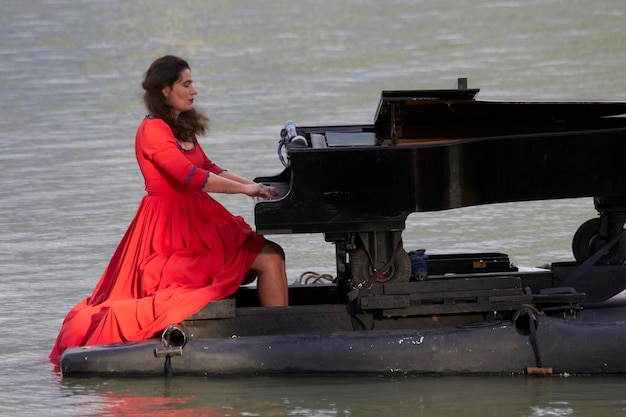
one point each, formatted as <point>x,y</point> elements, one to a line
<point>156,141</point>
<point>215,169</point>
<point>228,183</point>
<point>234,177</point>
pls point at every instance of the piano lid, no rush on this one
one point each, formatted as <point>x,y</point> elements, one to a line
<point>413,107</point>
<point>398,102</point>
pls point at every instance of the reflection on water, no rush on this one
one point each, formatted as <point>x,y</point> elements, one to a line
<point>69,78</point>
<point>354,396</point>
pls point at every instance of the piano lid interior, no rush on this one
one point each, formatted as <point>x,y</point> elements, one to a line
<point>459,106</point>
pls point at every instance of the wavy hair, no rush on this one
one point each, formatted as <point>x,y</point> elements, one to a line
<point>164,72</point>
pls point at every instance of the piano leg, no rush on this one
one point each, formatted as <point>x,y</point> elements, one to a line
<point>343,268</point>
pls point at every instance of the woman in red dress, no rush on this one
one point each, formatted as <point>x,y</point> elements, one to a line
<point>183,249</point>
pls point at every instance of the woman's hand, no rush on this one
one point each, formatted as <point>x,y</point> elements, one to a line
<point>260,190</point>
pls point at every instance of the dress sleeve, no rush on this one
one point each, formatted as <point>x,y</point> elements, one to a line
<point>208,164</point>
<point>159,145</point>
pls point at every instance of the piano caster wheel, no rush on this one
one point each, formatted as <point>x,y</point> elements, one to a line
<point>398,271</point>
<point>587,241</point>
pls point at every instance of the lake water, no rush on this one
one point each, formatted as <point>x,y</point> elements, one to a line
<point>70,74</point>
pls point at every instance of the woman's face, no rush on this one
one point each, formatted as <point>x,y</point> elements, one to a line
<point>180,95</point>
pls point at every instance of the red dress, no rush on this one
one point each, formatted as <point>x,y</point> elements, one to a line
<point>182,250</point>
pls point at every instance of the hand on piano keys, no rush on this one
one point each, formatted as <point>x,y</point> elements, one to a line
<point>277,191</point>
<point>260,190</point>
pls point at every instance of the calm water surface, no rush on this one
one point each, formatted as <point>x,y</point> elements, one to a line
<point>69,78</point>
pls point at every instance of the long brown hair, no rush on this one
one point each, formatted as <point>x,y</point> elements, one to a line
<point>164,72</point>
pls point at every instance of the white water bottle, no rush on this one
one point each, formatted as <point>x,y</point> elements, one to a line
<point>290,127</point>
<point>294,139</point>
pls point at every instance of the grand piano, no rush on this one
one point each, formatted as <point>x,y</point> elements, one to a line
<point>443,149</point>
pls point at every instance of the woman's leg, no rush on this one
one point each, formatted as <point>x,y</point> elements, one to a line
<point>272,281</point>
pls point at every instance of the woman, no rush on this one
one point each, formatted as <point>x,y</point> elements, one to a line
<point>183,249</point>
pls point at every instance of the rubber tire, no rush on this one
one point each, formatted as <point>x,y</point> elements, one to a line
<point>399,271</point>
<point>584,244</point>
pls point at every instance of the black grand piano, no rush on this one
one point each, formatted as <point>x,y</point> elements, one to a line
<point>443,149</point>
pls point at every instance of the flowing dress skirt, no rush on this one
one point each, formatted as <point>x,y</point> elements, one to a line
<point>179,253</point>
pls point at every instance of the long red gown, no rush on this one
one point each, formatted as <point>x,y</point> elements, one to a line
<point>182,250</point>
